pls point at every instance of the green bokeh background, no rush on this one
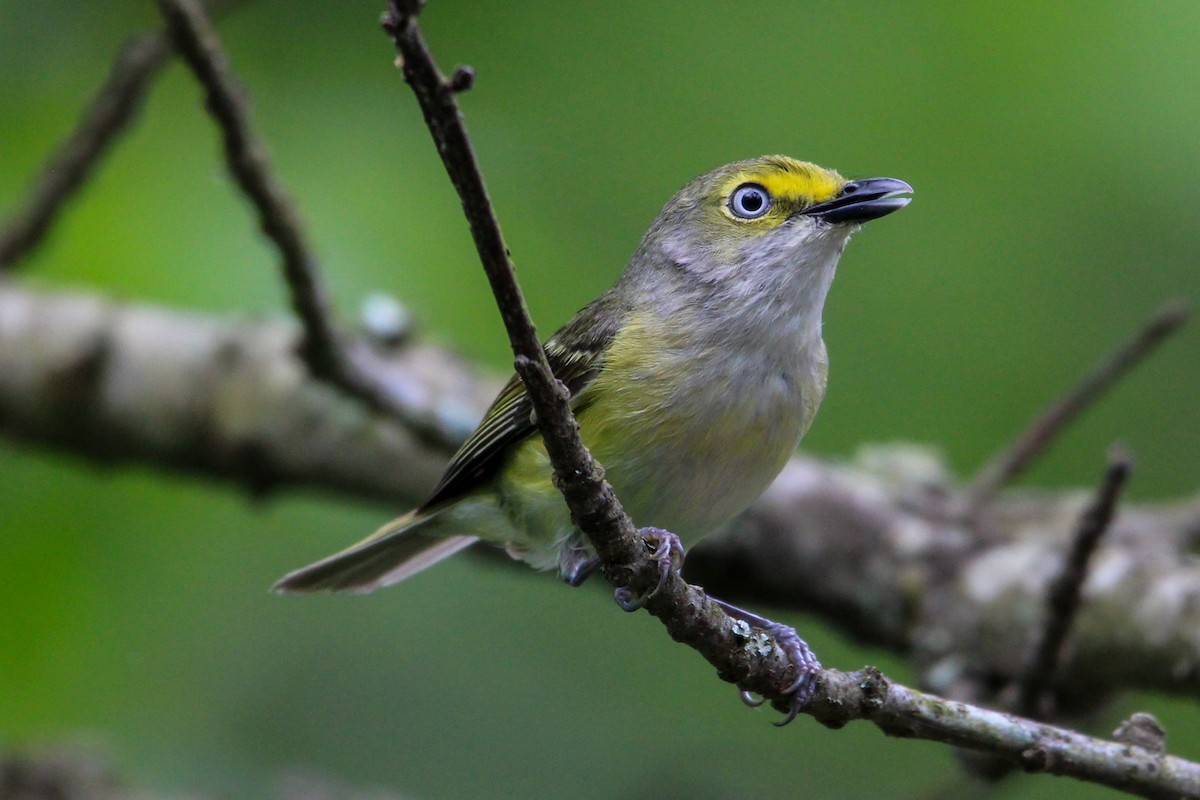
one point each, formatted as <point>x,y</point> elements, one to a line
<point>1055,153</point>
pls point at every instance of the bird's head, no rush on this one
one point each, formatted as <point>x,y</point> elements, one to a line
<point>767,220</point>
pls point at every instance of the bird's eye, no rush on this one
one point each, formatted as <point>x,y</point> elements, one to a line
<point>749,201</point>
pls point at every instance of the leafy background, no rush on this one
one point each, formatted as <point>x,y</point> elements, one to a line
<point>1054,153</point>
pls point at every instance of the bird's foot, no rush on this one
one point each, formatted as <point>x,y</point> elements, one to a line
<point>667,551</point>
<point>801,656</point>
<point>577,567</point>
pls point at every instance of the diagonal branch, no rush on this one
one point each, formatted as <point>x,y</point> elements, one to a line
<point>1062,601</point>
<point>1006,465</point>
<point>322,347</point>
<point>689,615</point>
<point>686,611</point>
<point>72,163</point>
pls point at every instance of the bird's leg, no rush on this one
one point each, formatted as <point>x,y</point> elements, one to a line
<point>576,564</point>
<point>799,653</point>
<point>667,551</point>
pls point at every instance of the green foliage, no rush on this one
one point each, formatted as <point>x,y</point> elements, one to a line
<point>1054,153</point>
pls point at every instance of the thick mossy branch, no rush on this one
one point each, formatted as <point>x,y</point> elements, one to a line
<point>229,399</point>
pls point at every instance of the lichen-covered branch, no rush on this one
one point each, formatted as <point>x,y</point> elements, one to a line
<point>1034,746</point>
<point>869,544</point>
<point>224,398</point>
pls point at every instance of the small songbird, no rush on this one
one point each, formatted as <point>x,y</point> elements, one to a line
<point>693,380</point>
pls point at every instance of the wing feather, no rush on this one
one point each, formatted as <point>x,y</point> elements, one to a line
<point>576,356</point>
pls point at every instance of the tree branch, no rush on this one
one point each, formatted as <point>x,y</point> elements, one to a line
<point>222,398</point>
<point>689,615</point>
<point>72,163</point>
<point>1063,597</point>
<point>1034,746</point>
<point>1006,465</point>
<point>228,399</point>
<point>322,348</point>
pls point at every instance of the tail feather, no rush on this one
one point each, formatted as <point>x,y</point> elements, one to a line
<point>396,551</point>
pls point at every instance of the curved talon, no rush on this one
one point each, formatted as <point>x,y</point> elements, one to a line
<point>664,572</point>
<point>806,665</point>
<point>668,551</point>
<point>750,699</point>
<point>627,600</point>
<point>802,689</point>
<point>793,712</point>
<point>807,668</point>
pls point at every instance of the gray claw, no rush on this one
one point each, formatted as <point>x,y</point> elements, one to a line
<point>807,669</point>
<point>668,552</point>
<point>800,655</point>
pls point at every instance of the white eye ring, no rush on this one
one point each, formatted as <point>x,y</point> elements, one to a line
<point>749,201</point>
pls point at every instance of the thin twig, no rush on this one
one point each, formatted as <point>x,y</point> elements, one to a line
<point>1063,596</point>
<point>111,110</point>
<point>689,615</point>
<point>70,165</point>
<point>1006,465</point>
<point>686,611</point>
<point>249,163</point>
<point>1034,746</point>
<point>323,349</point>
<point>591,499</point>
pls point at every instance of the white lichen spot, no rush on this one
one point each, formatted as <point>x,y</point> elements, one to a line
<point>910,536</point>
<point>903,464</point>
<point>1021,567</point>
<point>741,629</point>
<point>1158,615</point>
<point>1107,570</point>
<point>760,644</point>
<point>944,674</point>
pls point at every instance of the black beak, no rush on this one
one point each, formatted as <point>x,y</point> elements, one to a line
<point>859,201</point>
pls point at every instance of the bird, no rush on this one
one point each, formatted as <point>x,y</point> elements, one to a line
<point>692,379</point>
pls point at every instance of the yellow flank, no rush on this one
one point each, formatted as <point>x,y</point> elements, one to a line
<point>792,184</point>
<point>633,388</point>
<point>682,454</point>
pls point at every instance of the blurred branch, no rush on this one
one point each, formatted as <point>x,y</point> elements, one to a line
<point>71,164</point>
<point>1006,465</point>
<point>75,774</point>
<point>322,348</point>
<point>229,399</point>
<point>1063,597</point>
<point>222,398</point>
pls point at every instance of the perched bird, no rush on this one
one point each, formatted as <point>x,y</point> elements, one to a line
<point>693,380</point>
